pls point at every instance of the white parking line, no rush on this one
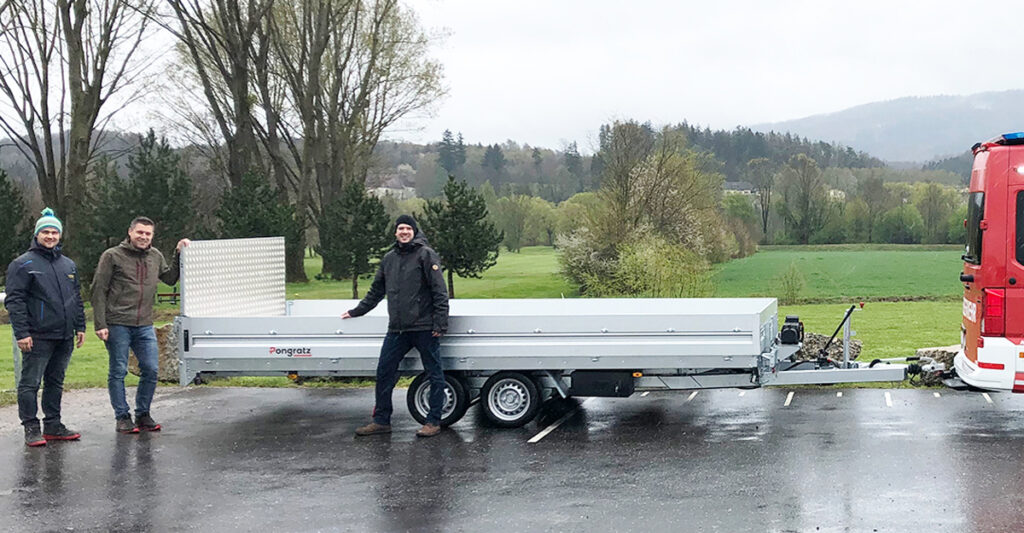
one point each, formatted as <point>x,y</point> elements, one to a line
<point>839,394</point>
<point>987,397</point>
<point>692,395</point>
<point>888,400</point>
<point>645,393</point>
<point>937,395</point>
<point>552,427</point>
<point>789,398</point>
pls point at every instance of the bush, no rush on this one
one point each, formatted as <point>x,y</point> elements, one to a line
<point>790,283</point>
<point>652,267</point>
<point>646,266</point>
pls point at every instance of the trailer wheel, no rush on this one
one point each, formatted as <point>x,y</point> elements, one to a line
<point>456,401</point>
<point>198,380</point>
<point>510,399</point>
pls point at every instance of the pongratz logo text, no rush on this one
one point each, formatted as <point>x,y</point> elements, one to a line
<point>291,352</point>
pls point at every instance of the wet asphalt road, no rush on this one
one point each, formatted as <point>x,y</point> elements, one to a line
<point>286,460</point>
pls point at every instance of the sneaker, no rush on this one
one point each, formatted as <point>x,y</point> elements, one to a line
<point>60,432</point>
<point>125,425</point>
<point>373,428</point>
<point>33,437</point>
<point>146,422</point>
<point>428,430</point>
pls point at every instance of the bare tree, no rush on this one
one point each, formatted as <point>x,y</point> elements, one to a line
<point>804,205</point>
<point>761,173</point>
<point>380,73</point>
<point>60,64</point>
<point>219,37</point>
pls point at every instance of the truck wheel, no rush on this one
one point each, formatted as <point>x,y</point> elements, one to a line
<point>456,401</point>
<point>510,399</point>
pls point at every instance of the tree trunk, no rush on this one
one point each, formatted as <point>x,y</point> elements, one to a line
<point>355,286</point>
<point>295,257</point>
<point>451,285</point>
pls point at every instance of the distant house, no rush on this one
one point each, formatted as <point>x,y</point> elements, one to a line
<point>738,187</point>
<point>399,193</point>
<point>836,194</point>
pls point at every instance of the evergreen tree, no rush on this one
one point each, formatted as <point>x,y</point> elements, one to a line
<point>14,240</point>
<point>353,232</point>
<point>447,155</point>
<point>574,164</point>
<point>157,188</point>
<point>253,209</point>
<point>460,152</point>
<point>458,230</point>
<point>494,164</point>
<point>538,161</point>
<point>154,187</point>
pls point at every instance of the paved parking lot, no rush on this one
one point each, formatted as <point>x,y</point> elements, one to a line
<point>726,460</point>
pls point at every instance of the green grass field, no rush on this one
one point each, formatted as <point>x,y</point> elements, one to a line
<point>840,274</point>
<point>531,273</point>
<point>847,273</point>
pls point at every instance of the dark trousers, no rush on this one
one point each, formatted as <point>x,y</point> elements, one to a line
<point>47,362</point>
<point>395,346</point>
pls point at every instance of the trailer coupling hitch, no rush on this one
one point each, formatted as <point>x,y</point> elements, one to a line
<point>920,371</point>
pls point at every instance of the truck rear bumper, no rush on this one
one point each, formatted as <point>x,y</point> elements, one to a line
<point>999,356</point>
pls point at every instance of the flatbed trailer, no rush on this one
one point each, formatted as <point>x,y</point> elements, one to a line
<point>508,355</point>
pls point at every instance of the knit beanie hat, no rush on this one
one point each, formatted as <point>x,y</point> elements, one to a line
<point>407,219</point>
<point>48,220</point>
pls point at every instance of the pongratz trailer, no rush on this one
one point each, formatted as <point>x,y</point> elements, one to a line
<point>507,355</point>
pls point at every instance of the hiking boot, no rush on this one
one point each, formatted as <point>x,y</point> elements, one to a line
<point>33,437</point>
<point>428,430</point>
<point>146,423</point>
<point>60,432</point>
<point>125,425</point>
<point>372,428</point>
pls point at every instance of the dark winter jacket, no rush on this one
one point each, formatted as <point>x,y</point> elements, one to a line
<point>410,276</point>
<point>43,295</point>
<point>124,286</point>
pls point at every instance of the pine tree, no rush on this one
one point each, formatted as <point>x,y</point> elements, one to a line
<point>494,164</point>
<point>458,230</point>
<point>353,232</point>
<point>253,209</point>
<point>13,217</point>
<point>447,152</point>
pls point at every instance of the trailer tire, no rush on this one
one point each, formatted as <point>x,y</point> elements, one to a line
<point>455,405</point>
<point>510,399</point>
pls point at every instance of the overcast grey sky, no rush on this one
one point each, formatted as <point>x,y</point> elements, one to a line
<point>550,72</point>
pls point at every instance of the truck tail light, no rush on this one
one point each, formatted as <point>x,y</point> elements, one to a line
<point>993,319</point>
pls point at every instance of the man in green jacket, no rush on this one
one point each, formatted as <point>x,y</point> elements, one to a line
<point>124,288</point>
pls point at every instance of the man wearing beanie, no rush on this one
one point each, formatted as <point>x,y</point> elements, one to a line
<point>123,291</point>
<point>45,303</point>
<point>411,277</point>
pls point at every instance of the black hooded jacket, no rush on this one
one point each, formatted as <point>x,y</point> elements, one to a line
<point>44,297</point>
<point>410,276</point>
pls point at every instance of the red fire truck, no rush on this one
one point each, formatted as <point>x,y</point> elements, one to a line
<point>992,333</point>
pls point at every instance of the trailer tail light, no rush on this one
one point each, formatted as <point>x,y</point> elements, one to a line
<point>990,366</point>
<point>993,320</point>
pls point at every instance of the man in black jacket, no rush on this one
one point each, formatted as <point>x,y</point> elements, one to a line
<point>410,275</point>
<point>45,303</point>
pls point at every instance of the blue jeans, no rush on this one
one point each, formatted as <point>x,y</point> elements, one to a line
<point>395,346</point>
<point>142,341</point>
<point>47,362</point>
